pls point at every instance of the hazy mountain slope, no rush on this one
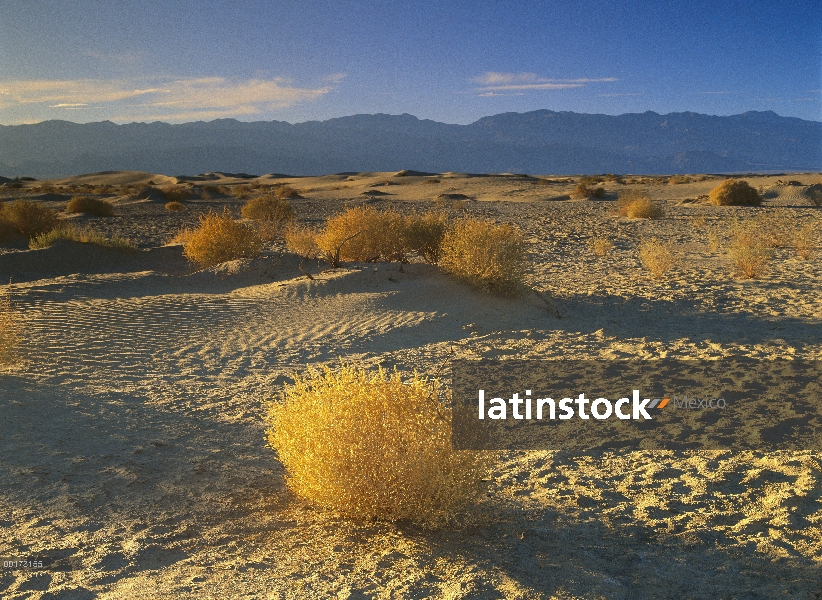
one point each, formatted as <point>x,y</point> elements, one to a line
<point>537,142</point>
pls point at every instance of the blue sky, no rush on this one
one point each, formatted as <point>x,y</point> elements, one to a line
<point>147,60</point>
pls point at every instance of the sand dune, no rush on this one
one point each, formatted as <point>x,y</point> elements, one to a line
<point>132,439</point>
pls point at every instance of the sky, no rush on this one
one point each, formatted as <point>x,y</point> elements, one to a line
<point>453,62</point>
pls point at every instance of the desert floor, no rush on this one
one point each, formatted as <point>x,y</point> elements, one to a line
<point>132,434</point>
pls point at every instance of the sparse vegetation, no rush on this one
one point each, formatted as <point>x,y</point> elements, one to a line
<point>11,328</point>
<point>175,206</point>
<point>28,218</point>
<point>601,246</point>
<point>657,256</point>
<point>586,191</point>
<point>748,251</point>
<point>805,240</point>
<point>176,193</point>
<point>90,206</point>
<point>68,231</point>
<point>269,207</point>
<point>218,239</point>
<point>678,179</point>
<point>363,234</point>
<point>424,234</point>
<point>734,192</point>
<point>372,446</point>
<point>489,256</point>
<point>302,241</point>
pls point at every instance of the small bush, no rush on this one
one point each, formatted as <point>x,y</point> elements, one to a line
<point>585,191</point>
<point>90,206</point>
<point>425,233</point>
<point>489,256</point>
<point>175,206</point>
<point>28,218</point>
<point>678,179</point>
<point>372,446</point>
<point>590,180</point>
<point>218,239</point>
<point>284,192</point>
<point>68,231</point>
<point>657,256</point>
<point>601,246</point>
<point>636,205</point>
<point>804,241</point>
<point>11,328</point>
<point>269,207</point>
<point>733,192</point>
<point>748,251</point>
<point>302,241</point>
<point>176,193</point>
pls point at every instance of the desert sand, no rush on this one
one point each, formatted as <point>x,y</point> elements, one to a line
<point>132,435</point>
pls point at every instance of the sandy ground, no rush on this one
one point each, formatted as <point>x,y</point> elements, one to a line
<point>132,439</point>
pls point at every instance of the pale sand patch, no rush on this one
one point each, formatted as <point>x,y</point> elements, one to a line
<point>132,436</point>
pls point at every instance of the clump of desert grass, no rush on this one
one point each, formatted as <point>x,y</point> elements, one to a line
<point>90,206</point>
<point>734,192</point>
<point>218,239</point>
<point>658,256</point>
<point>805,241</point>
<point>373,446</point>
<point>70,232</point>
<point>583,190</point>
<point>601,246</point>
<point>269,207</point>
<point>489,256</point>
<point>635,204</point>
<point>749,251</point>
<point>11,328</point>
<point>176,193</point>
<point>28,218</point>
<point>175,206</point>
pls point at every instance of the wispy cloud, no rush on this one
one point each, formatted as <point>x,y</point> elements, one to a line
<point>493,81</point>
<point>170,99</point>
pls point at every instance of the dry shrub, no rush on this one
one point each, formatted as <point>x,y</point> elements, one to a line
<point>804,241</point>
<point>424,234</point>
<point>363,234</point>
<point>176,193</point>
<point>90,206</point>
<point>489,256</point>
<point>11,328</point>
<point>218,239</point>
<point>590,179</point>
<point>28,218</point>
<point>584,191</point>
<point>657,256</point>
<point>68,231</point>
<point>748,251</point>
<point>175,206</point>
<point>678,179</point>
<point>637,205</point>
<point>302,241</point>
<point>734,192</point>
<point>284,192</point>
<point>269,207</point>
<point>372,446</point>
<point>601,246</point>
<point>714,240</point>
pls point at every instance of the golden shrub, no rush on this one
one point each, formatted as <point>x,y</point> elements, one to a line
<point>176,193</point>
<point>586,191</point>
<point>734,192</point>
<point>372,446</point>
<point>302,241</point>
<point>636,204</point>
<point>489,256</point>
<point>218,239</point>
<point>601,246</point>
<point>424,234</point>
<point>90,205</point>
<point>657,256</point>
<point>748,251</point>
<point>28,218</point>
<point>268,207</point>
<point>11,328</point>
<point>175,206</point>
<point>363,234</point>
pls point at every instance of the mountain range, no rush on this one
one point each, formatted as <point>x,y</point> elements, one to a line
<point>537,142</point>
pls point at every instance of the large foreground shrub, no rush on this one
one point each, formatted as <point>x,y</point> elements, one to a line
<point>218,239</point>
<point>370,445</point>
<point>734,192</point>
<point>363,234</point>
<point>28,218</point>
<point>489,256</point>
